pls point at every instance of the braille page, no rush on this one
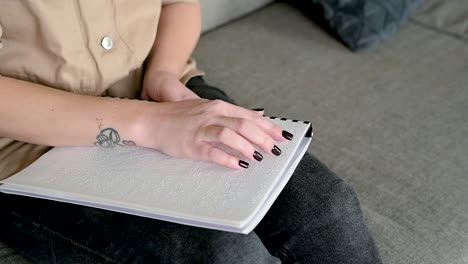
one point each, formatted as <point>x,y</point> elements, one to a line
<point>148,183</point>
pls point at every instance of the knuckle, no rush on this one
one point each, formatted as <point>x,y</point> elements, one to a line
<point>218,104</point>
<point>205,119</point>
<point>214,109</point>
<point>212,153</point>
<point>233,162</point>
<point>277,128</point>
<point>220,157</point>
<point>267,142</point>
<point>226,160</point>
<point>256,117</point>
<point>210,107</point>
<point>224,133</point>
<point>248,149</point>
<point>243,124</point>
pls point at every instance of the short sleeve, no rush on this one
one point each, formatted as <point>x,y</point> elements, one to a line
<point>166,2</point>
<point>1,33</point>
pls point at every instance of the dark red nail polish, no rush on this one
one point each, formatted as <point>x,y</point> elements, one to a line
<point>287,135</point>
<point>243,164</point>
<point>276,150</point>
<point>258,156</point>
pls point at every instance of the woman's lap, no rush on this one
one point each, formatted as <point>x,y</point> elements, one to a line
<point>53,232</point>
<point>316,219</point>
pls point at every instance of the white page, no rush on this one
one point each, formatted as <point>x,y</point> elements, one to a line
<point>146,182</point>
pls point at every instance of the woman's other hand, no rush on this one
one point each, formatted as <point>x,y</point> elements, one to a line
<point>192,129</point>
<point>163,86</point>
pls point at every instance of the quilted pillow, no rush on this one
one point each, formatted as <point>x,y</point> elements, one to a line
<point>360,24</point>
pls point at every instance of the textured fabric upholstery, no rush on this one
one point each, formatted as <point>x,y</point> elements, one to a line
<point>218,12</point>
<point>448,17</point>
<point>391,121</point>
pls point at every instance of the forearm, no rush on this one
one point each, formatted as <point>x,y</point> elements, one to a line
<point>178,33</point>
<point>41,115</point>
<point>187,129</point>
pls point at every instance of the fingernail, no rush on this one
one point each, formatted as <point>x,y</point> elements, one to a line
<point>258,109</point>
<point>287,135</point>
<point>258,156</point>
<point>243,164</point>
<point>276,150</point>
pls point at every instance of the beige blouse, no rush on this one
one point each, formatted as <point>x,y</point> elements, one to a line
<point>87,47</point>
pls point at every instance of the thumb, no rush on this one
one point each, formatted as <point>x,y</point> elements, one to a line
<point>186,94</point>
<point>144,95</point>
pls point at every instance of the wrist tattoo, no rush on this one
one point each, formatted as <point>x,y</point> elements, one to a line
<point>109,138</point>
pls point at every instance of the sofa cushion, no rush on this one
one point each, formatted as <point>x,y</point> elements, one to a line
<point>449,17</point>
<point>391,121</point>
<point>360,24</point>
<point>218,12</point>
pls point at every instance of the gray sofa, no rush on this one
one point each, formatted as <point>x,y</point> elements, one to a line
<point>392,121</point>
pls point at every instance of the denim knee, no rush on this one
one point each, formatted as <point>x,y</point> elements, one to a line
<point>341,200</point>
<point>237,248</point>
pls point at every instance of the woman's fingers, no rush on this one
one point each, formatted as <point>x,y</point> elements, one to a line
<point>250,131</point>
<point>272,129</point>
<point>191,127</point>
<point>233,140</point>
<point>213,154</point>
<point>230,110</point>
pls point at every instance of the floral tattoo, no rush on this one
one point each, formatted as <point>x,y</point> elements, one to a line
<point>109,138</point>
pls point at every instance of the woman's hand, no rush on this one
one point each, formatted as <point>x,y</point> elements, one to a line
<point>191,129</point>
<point>163,86</point>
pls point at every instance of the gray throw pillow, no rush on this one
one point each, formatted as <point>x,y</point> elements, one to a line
<point>361,24</point>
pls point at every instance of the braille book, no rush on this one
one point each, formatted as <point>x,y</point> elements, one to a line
<point>148,183</point>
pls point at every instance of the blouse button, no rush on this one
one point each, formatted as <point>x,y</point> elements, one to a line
<point>107,43</point>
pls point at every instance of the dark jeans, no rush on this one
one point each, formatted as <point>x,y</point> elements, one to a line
<point>316,219</point>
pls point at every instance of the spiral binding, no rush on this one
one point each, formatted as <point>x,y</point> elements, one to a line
<point>284,119</point>
<point>309,132</point>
